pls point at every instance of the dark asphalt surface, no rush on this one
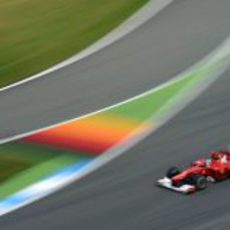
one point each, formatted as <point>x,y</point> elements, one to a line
<point>122,195</point>
<point>181,34</point>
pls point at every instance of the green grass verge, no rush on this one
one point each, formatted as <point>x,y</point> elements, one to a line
<point>38,34</point>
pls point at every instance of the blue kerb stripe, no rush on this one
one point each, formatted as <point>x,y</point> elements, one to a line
<point>24,196</point>
<point>13,201</point>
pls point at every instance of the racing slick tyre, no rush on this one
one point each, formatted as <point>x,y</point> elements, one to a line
<point>200,182</point>
<point>173,172</point>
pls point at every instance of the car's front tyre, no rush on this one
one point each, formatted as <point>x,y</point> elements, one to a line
<point>200,182</point>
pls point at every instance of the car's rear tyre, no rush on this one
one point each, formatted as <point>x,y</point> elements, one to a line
<point>200,182</point>
<point>173,172</point>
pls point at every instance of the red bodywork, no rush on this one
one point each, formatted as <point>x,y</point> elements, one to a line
<point>215,168</point>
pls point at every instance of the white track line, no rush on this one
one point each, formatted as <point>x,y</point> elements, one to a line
<point>148,11</point>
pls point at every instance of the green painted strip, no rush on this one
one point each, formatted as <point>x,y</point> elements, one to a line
<point>148,105</point>
<point>16,157</point>
<point>36,173</point>
<point>143,108</point>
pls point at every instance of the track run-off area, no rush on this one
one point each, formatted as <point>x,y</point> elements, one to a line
<point>122,195</point>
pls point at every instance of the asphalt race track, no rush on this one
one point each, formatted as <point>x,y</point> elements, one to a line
<point>180,35</point>
<point>122,194</point>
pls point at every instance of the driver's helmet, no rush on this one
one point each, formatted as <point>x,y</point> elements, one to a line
<point>200,163</point>
<point>217,155</point>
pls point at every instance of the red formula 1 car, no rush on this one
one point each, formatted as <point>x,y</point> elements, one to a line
<point>200,172</point>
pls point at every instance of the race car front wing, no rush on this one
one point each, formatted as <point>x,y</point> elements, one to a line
<point>167,183</point>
